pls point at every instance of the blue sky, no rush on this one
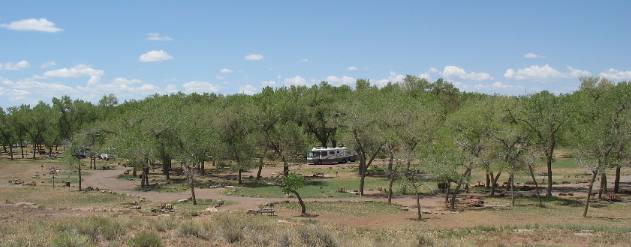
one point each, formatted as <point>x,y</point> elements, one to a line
<point>86,49</point>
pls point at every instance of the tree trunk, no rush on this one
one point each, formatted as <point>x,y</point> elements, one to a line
<point>487,181</point>
<point>33,146</point>
<point>22,149</point>
<point>447,188</point>
<point>494,180</point>
<point>549,165</point>
<point>166,167</point>
<point>418,205</point>
<point>392,177</point>
<point>50,152</point>
<point>603,185</point>
<point>512,188</point>
<point>134,173</point>
<point>191,183</point>
<point>202,169</point>
<point>589,192</point>
<point>532,175</point>
<point>616,183</point>
<point>362,175</point>
<point>79,175</point>
<point>285,166</point>
<point>239,176</point>
<point>457,190</point>
<point>258,173</point>
<point>390,162</point>
<point>303,208</point>
<point>11,151</point>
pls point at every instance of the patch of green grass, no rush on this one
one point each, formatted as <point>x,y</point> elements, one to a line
<point>347,208</point>
<point>314,188</point>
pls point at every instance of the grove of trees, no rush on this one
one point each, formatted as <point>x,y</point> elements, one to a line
<point>416,125</point>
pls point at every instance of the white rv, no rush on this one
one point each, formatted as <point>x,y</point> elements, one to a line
<point>319,156</point>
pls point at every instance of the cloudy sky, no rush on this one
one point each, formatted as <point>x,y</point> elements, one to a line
<point>86,49</point>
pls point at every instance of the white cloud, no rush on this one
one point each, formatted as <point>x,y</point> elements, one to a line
<point>295,81</point>
<point>23,64</point>
<point>531,55</point>
<point>154,56</point>
<point>199,87</point>
<point>616,75</point>
<point>352,68</point>
<point>392,77</point>
<point>253,57</point>
<point>577,73</point>
<point>79,70</point>
<point>170,89</point>
<point>495,85</point>
<point>457,73</point>
<point>342,80</point>
<point>544,73</point>
<point>225,71</point>
<point>157,37</point>
<point>48,64</point>
<point>32,24</point>
<point>304,60</point>
<point>268,83</point>
<point>248,89</point>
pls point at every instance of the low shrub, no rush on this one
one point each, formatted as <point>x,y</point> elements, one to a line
<point>145,239</point>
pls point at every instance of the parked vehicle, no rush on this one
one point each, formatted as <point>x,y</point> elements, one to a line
<point>320,156</point>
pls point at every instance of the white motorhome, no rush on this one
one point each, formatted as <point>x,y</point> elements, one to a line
<point>319,156</point>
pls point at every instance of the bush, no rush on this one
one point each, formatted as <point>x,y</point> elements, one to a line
<point>99,226</point>
<point>68,239</point>
<point>164,224</point>
<point>189,228</point>
<point>231,228</point>
<point>146,239</point>
<point>314,236</point>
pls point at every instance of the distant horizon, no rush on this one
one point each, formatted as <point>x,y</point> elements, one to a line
<point>135,49</point>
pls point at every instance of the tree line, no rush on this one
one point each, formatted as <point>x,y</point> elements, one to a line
<point>412,124</point>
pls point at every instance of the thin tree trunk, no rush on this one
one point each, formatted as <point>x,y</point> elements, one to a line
<point>202,169</point>
<point>33,146</point>
<point>362,175</point>
<point>240,181</point>
<point>616,182</point>
<point>11,151</point>
<point>285,166</point>
<point>447,188</point>
<point>457,190</point>
<point>258,173</point>
<point>512,188</point>
<point>22,149</point>
<point>191,182</point>
<point>134,173</point>
<point>50,152</point>
<point>418,205</point>
<point>392,177</point>
<point>303,208</point>
<point>494,180</point>
<point>79,175</point>
<point>532,175</point>
<point>166,167</point>
<point>390,162</point>
<point>487,181</point>
<point>589,192</point>
<point>549,165</point>
<point>603,185</point>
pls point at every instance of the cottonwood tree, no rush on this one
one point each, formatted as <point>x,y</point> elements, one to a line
<point>364,129</point>
<point>599,125</point>
<point>291,183</point>
<point>7,135</point>
<point>278,130</point>
<point>196,139</point>
<point>236,134</point>
<point>470,128</point>
<point>543,115</point>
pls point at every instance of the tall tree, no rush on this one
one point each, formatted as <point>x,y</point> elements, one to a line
<point>598,125</point>
<point>543,115</point>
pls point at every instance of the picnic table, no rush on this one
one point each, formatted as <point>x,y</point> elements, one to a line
<point>267,211</point>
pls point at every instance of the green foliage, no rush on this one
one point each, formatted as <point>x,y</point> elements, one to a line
<point>292,182</point>
<point>69,239</point>
<point>146,239</point>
